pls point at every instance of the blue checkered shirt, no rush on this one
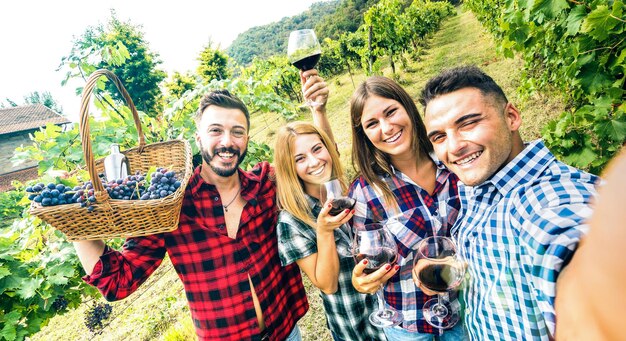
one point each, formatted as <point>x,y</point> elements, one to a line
<point>421,215</point>
<point>347,310</point>
<point>517,231</point>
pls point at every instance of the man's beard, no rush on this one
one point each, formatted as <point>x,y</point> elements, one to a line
<point>223,172</point>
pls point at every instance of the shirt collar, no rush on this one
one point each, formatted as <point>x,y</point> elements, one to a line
<point>314,204</point>
<point>529,163</point>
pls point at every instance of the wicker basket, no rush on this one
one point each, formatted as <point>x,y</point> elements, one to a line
<point>113,218</point>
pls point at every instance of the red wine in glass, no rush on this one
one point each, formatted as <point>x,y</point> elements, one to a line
<point>341,204</point>
<point>375,243</point>
<point>377,258</point>
<point>307,63</point>
<point>441,277</point>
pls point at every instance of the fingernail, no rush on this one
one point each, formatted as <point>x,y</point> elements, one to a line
<point>365,262</point>
<point>396,267</point>
<point>330,205</point>
<point>346,211</point>
<point>387,267</point>
<point>353,211</point>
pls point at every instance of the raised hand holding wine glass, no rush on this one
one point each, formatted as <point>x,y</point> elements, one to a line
<point>375,252</point>
<point>437,269</point>
<point>338,200</point>
<point>304,52</point>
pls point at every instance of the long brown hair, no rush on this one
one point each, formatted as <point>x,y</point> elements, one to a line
<point>289,187</point>
<point>370,162</point>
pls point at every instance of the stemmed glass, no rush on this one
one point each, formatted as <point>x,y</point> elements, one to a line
<point>339,201</point>
<point>304,51</point>
<point>376,244</point>
<point>438,268</point>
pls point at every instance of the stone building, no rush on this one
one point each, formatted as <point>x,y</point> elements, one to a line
<point>16,124</point>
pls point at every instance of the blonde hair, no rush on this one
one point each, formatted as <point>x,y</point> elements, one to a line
<point>289,187</point>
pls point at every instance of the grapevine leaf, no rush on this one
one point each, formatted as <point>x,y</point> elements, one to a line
<point>615,129</point>
<point>550,8</point>
<point>599,23</point>
<point>4,271</point>
<point>581,158</point>
<point>593,78</point>
<point>10,322</point>
<point>29,287</point>
<point>575,19</point>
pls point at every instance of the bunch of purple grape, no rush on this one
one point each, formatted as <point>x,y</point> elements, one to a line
<point>60,303</point>
<point>96,314</point>
<point>133,187</point>
<point>53,194</point>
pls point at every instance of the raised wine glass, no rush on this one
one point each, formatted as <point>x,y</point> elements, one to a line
<point>438,268</point>
<point>339,201</point>
<point>304,51</point>
<point>376,244</point>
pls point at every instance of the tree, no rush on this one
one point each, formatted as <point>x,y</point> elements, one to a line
<point>44,98</point>
<point>179,84</point>
<point>213,64</point>
<point>122,49</point>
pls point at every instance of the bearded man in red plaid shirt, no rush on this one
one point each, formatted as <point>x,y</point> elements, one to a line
<point>225,249</point>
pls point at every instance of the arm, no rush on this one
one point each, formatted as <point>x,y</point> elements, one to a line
<point>591,300</point>
<point>89,253</point>
<point>550,230</point>
<point>322,267</point>
<point>118,274</point>
<point>314,87</point>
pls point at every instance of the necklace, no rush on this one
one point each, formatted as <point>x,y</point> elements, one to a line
<point>233,199</point>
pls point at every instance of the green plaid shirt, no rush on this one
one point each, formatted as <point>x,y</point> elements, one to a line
<point>347,310</point>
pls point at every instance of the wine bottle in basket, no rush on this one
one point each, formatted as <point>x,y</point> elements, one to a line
<point>116,164</point>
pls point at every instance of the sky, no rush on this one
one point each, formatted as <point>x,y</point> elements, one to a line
<point>35,35</point>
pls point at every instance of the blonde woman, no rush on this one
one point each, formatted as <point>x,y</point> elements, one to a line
<point>304,158</point>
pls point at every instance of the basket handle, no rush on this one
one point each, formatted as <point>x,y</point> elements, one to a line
<point>84,122</point>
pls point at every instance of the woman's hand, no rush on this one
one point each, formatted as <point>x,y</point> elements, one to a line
<point>327,222</point>
<point>314,88</point>
<point>369,284</point>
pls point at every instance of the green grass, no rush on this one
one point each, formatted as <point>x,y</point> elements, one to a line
<point>159,310</point>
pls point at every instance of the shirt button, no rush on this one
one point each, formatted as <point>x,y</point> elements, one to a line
<point>216,199</point>
<point>221,227</point>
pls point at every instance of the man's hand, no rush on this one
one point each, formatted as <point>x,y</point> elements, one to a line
<point>369,284</point>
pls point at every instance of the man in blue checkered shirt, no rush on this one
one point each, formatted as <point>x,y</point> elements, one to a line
<point>522,211</point>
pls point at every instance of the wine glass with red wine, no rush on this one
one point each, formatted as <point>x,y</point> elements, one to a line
<point>340,202</point>
<point>438,268</point>
<point>376,244</point>
<point>304,51</point>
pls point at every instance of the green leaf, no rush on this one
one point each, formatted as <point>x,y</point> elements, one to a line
<point>4,271</point>
<point>10,322</point>
<point>599,23</point>
<point>615,129</point>
<point>574,19</point>
<point>29,287</point>
<point>593,79</point>
<point>550,8</point>
<point>581,158</point>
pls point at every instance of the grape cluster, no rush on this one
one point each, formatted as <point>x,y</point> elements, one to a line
<point>59,304</point>
<point>52,194</point>
<point>96,314</point>
<point>162,184</point>
<point>133,187</point>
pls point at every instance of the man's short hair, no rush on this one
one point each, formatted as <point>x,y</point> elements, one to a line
<point>459,78</point>
<point>223,99</point>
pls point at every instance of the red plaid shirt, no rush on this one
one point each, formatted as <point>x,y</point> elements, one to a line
<point>213,267</point>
